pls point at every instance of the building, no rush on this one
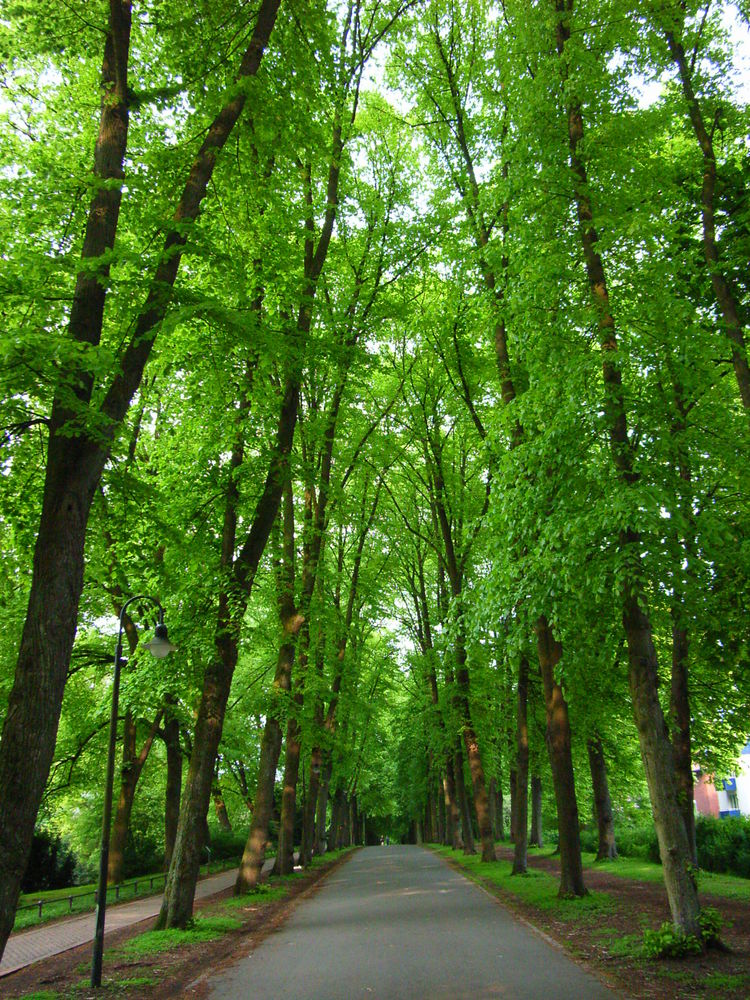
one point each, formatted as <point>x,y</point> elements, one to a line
<point>727,797</point>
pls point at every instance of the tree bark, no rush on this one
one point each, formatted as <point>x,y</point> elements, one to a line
<point>520,849</point>
<point>173,789</point>
<point>132,768</point>
<point>536,838</point>
<point>513,784</point>
<point>500,812</point>
<point>492,793</point>
<point>452,813</point>
<point>220,806</point>
<point>561,760</point>
<point>467,827</point>
<point>606,848</point>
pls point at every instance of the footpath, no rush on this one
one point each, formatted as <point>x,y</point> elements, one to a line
<point>37,943</point>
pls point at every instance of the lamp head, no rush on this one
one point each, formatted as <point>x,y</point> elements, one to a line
<point>160,646</point>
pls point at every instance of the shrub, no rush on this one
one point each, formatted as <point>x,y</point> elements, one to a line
<point>638,842</point>
<point>225,844</point>
<point>668,942</point>
<point>724,844</point>
<point>51,864</point>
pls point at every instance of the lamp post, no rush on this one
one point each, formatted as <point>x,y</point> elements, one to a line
<point>159,646</point>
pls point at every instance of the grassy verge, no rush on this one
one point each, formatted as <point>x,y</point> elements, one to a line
<point>537,888</point>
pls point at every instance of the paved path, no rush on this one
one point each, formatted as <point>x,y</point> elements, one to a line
<point>397,923</point>
<point>47,940</point>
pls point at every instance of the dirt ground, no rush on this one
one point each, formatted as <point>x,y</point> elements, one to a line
<point>185,972</point>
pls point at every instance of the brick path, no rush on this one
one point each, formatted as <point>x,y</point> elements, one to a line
<point>47,940</point>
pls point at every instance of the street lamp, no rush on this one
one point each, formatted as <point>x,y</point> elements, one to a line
<point>159,647</point>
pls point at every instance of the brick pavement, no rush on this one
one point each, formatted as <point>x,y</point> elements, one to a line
<point>47,940</point>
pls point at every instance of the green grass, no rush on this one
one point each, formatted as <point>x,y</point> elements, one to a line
<point>726,981</point>
<point>262,893</point>
<point>205,929</point>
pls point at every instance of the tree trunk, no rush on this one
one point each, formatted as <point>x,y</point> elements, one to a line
<point>173,789</point>
<point>656,750</point>
<point>321,846</point>
<point>452,815</point>
<point>440,802</point>
<point>658,762</point>
<point>284,863</point>
<point>220,806</point>
<point>602,803</point>
<point>536,838</point>
<point>520,849</point>
<point>500,812</point>
<point>310,810</point>
<point>132,768</point>
<point>75,464</point>
<point>432,813</point>
<point>512,779</point>
<point>467,828</point>
<point>681,743</point>
<point>561,760</point>
<point>492,793</point>
<point>179,892</point>
<point>270,749</point>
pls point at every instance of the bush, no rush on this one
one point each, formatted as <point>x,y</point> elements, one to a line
<point>51,864</point>
<point>226,844</point>
<point>638,842</point>
<point>724,844</point>
<point>668,942</point>
<point>142,854</point>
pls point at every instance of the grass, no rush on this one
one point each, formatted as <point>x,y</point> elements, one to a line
<point>205,929</point>
<point>262,893</point>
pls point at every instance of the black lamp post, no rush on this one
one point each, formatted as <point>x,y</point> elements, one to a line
<point>159,647</point>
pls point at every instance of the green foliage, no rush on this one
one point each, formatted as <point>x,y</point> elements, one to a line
<point>51,864</point>
<point>668,942</point>
<point>724,844</point>
<point>711,922</point>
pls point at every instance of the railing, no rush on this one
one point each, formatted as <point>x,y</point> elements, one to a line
<point>115,893</point>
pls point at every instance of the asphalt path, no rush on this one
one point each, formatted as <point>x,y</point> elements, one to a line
<point>397,923</point>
